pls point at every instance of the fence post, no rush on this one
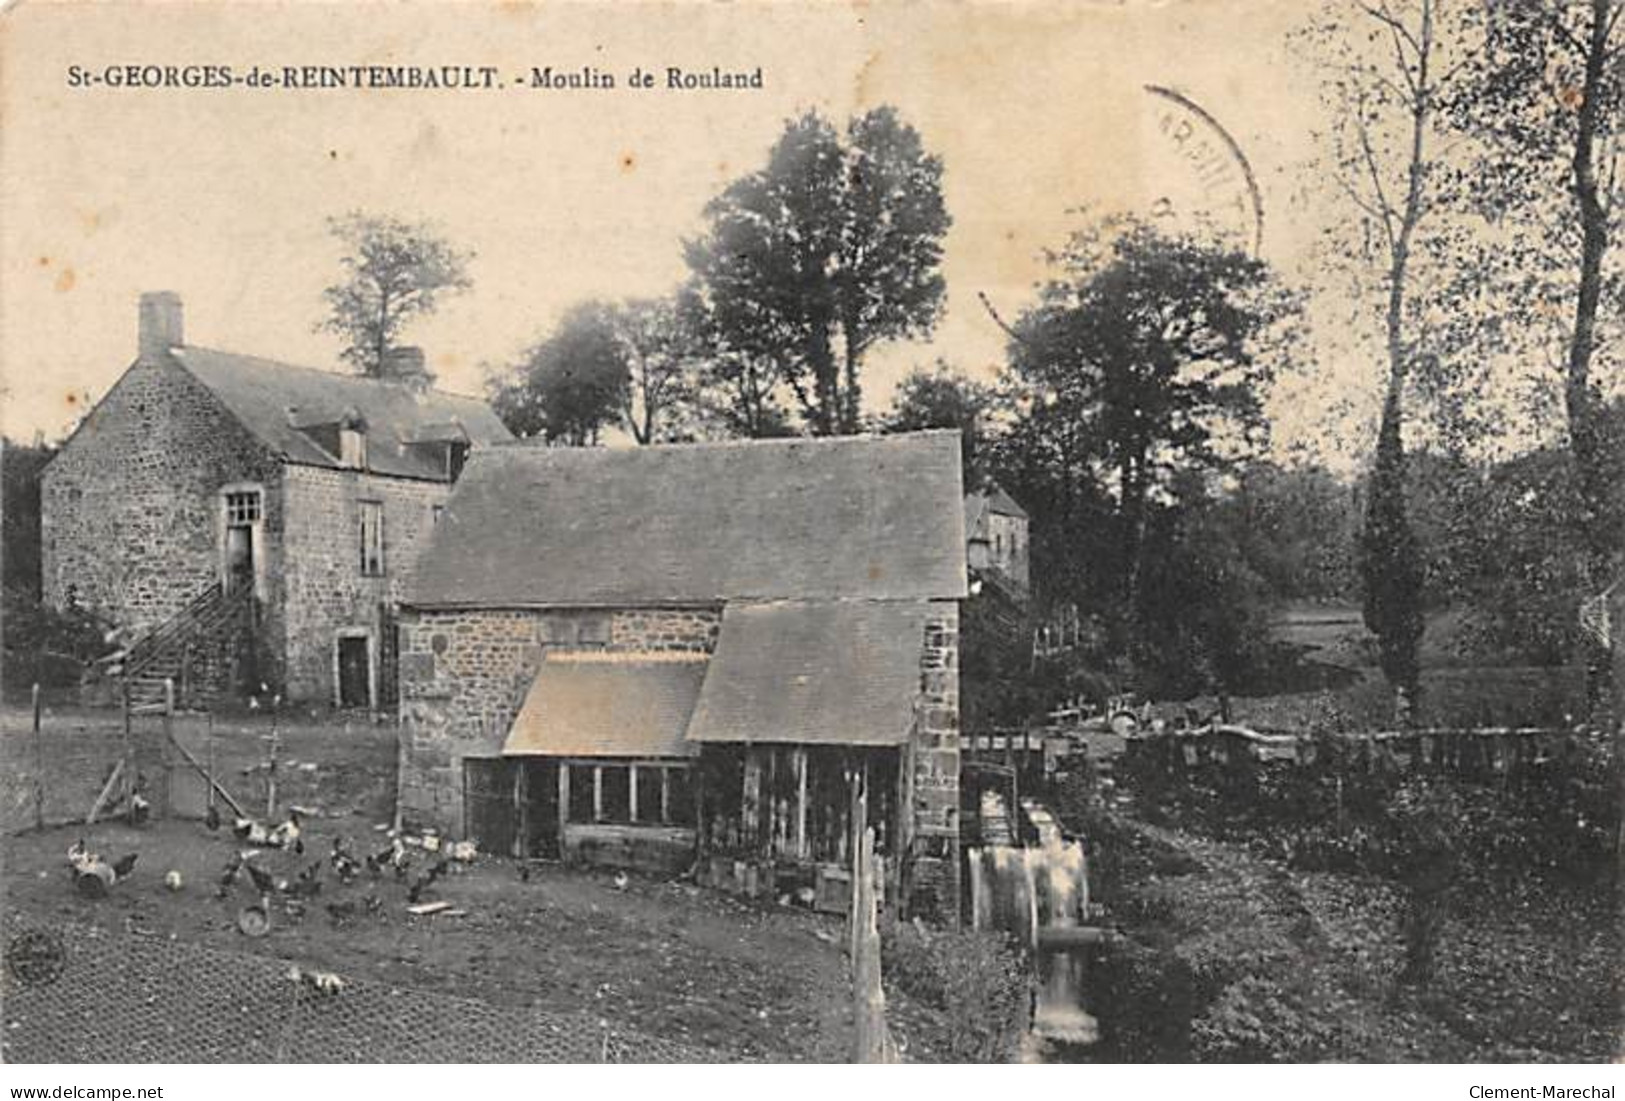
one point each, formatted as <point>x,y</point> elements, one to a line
<point>166,754</point>
<point>129,757</point>
<point>39,764</point>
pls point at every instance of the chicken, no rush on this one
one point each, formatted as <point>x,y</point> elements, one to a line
<point>288,834</point>
<point>621,881</point>
<point>340,911</point>
<point>123,866</point>
<point>211,818</point>
<point>344,864</point>
<point>425,881</point>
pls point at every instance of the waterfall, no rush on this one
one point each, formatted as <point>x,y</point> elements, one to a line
<point>1026,891</point>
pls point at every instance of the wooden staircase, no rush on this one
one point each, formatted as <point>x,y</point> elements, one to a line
<point>190,648</point>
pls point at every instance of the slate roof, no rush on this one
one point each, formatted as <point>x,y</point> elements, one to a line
<point>813,674</point>
<point>1005,505</point>
<point>607,708</point>
<point>261,392</point>
<point>857,517</point>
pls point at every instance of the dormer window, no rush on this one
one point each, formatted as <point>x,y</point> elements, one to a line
<point>353,448</point>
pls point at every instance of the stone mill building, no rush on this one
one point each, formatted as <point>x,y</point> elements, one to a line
<point>670,655</point>
<point>245,522</point>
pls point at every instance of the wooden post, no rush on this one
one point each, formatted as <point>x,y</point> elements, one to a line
<point>868,997</point>
<point>39,764</point>
<point>167,793</point>
<point>564,804</point>
<point>270,770</point>
<point>208,745</point>
<point>521,809</point>
<point>800,758</point>
<point>129,757</point>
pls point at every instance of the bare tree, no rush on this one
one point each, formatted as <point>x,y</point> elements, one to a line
<point>394,271</point>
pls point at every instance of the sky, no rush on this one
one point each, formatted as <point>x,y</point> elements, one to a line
<point>222,195</point>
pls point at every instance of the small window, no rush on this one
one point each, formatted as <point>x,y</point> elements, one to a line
<point>372,539</point>
<point>243,507</point>
<point>352,448</point>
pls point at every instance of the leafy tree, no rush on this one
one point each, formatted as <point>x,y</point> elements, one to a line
<point>1543,100</point>
<point>20,469</point>
<point>1386,67</point>
<point>570,386</point>
<point>945,398</point>
<point>1297,526</point>
<point>395,271</point>
<point>831,248</point>
<point>740,393</point>
<point>1145,359</point>
<point>660,353</point>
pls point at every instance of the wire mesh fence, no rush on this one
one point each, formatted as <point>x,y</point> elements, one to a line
<point>83,995</point>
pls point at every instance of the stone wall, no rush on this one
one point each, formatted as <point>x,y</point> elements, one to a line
<point>322,585</point>
<point>464,675</point>
<point>131,506</point>
<point>934,855</point>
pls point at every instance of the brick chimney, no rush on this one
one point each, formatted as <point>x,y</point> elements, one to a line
<point>406,366</point>
<point>161,326</point>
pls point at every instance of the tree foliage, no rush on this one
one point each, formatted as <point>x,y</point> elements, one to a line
<point>394,271</point>
<point>1145,359</point>
<point>832,247</point>
<point>945,398</point>
<point>570,386</point>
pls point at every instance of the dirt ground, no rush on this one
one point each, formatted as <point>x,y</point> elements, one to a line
<point>666,958</point>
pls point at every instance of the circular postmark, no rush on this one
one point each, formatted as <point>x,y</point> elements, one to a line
<point>36,957</point>
<point>1203,179</point>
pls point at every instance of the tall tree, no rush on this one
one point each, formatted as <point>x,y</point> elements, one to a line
<point>570,386</point>
<point>660,354</point>
<point>735,392</point>
<point>1544,102</point>
<point>831,248</point>
<point>1157,350</point>
<point>395,271</point>
<point>1386,71</point>
<point>945,398</point>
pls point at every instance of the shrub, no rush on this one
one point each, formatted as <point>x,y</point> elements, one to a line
<point>974,979</point>
<point>1256,1021</point>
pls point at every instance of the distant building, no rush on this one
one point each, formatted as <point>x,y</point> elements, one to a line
<point>246,521</point>
<point>662,655</point>
<point>996,534</point>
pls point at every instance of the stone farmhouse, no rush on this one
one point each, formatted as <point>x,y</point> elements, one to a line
<point>652,656</point>
<point>247,522</point>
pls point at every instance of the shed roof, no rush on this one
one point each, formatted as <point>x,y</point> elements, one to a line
<point>870,517</point>
<point>607,708</point>
<point>816,674</point>
<point>275,400</point>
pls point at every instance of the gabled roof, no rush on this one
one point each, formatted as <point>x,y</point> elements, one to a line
<point>608,708</point>
<point>813,674</point>
<point>856,517</point>
<point>992,499</point>
<point>275,401</point>
<point>1002,503</point>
